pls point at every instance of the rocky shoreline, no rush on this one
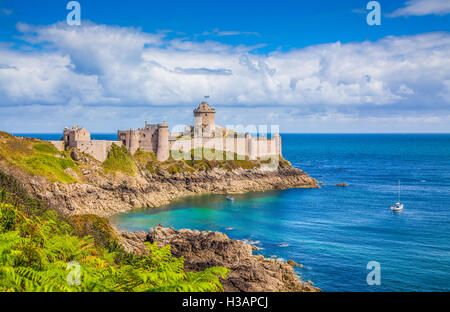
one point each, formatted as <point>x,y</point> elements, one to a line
<point>248,272</point>
<point>105,195</point>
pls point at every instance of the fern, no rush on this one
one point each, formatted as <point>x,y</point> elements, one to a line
<point>35,251</point>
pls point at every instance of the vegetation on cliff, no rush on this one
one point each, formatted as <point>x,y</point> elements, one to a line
<point>120,159</point>
<point>37,157</point>
<point>41,251</point>
<point>200,159</point>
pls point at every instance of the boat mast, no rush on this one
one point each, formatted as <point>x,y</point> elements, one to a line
<point>399,191</point>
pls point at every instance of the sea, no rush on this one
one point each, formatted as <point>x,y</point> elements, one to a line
<point>346,238</point>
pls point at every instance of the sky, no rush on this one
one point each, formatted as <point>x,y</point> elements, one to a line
<point>306,66</point>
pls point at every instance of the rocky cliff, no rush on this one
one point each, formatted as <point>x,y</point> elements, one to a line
<point>248,272</point>
<point>106,194</point>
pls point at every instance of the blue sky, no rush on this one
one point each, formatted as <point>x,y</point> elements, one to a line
<point>308,66</point>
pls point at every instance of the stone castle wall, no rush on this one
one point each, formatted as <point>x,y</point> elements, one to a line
<point>80,138</point>
<point>250,147</point>
<point>99,149</point>
<point>59,145</point>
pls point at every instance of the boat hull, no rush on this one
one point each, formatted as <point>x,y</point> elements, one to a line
<point>397,207</point>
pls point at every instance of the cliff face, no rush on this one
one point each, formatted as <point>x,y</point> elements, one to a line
<point>105,195</point>
<point>248,272</point>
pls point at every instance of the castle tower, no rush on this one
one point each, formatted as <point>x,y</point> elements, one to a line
<point>162,152</point>
<point>66,136</point>
<point>70,137</point>
<point>252,148</point>
<point>134,141</point>
<point>277,139</point>
<point>204,116</point>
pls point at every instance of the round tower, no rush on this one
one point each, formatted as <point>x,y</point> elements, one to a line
<point>277,139</point>
<point>162,152</point>
<point>134,141</point>
<point>204,116</point>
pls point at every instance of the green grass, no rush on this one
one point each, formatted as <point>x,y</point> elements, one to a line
<point>219,159</point>
<point>42,158</point>
<point>37,157</point>
<point>120,160</point>
<point>49,166</point>
<point>143,157</point>
<point>226,160</point>
<point>46,148</point>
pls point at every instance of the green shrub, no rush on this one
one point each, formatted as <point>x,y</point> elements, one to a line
<point>143,157</point>
<point>48,166</point>
<point>36,256</point>
<point>97,227</point>
<point>119,159</point>
<point>7,218</point>
<point>40,252</point>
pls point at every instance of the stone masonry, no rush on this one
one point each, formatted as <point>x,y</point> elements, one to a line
<point>158,139</point>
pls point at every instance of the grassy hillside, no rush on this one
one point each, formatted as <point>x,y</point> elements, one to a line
<point>120,160</point>
<point>40,251</point>
<point>37,158</point>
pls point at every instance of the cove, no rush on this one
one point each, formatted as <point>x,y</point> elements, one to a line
<point>336,231</point>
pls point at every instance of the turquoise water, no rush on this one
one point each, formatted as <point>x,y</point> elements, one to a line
<point>333,231</point>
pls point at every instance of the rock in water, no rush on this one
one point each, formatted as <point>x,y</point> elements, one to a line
<point>294,264</point>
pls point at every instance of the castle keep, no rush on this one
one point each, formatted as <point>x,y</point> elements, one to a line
<point>158,139</point>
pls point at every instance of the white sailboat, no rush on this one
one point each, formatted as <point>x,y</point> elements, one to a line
<point>397,206</point>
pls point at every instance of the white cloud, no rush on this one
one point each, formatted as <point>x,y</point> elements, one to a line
<point>97,65</point>
<point>221,33</point>
<point>423,7</point>
<point>6,11</point>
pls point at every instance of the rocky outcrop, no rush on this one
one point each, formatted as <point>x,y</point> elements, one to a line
<point>248,272</point>
<point>107,194</point>
<point>294,264</point>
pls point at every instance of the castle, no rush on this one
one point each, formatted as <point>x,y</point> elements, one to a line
<point>80,138</point>
<point>158,139</point>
